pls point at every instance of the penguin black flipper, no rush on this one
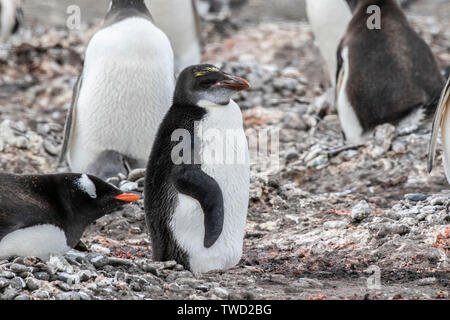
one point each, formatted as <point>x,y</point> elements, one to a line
<point>71,118</point>
<point>439,118</point>
<point>192,181</point>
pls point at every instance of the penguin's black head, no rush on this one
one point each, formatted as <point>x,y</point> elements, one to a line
<point>206,82</point>
<point>93,197</point>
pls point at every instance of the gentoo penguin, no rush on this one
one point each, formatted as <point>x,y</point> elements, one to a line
<point>40,215</point>
<point>11,17</point>
<point>181,23</point>
<point>384,75</point>
<point>441,121</point>
<point>122,94</point>
<point>329,20</point>
<point>197,190</point>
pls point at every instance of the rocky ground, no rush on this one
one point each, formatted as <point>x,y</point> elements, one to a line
<point>331,221</point>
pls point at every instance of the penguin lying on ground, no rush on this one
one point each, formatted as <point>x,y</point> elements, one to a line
<point>11,18</point>
<point>384,75</point>
<point>196,205</point>
<point>181,23</point>
<point>441,121</point>
<point>122,94</point>
<point>40,215</point>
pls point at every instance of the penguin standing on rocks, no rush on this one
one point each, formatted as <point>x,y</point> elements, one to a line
<point>329,20</point>
<point>385,74</point>
<point>11,18</point>
<point>180,21</point>
<point>122,94</point>
<point>441,121</point>
<point>197,190</point>
<point>40,215</point>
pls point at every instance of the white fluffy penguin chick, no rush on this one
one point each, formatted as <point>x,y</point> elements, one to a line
<point>122,94</point>
<point>329,20</point>
<point>180,21</point>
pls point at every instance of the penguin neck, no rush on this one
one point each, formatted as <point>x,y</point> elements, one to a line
<point>122,9</point>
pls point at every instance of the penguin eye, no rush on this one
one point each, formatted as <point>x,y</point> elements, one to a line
<point>207,83</point>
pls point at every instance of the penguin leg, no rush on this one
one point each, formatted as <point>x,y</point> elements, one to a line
<point>108,164</point>
<point>192,181</point>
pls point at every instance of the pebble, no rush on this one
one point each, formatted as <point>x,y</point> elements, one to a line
<point>427,281</point>
<point>17,283</point>
<point>129,186</point>
<point>32,284</point>
<point>68,296</point>
<point>22,297</point>
<point>3,283</point>
<point>18,268</point>
<point>220,292</point>
<point>361,211</point>
<point>136,174</point>
<point>334,224</point>
<point>416,197</point>
<point>42,276</point>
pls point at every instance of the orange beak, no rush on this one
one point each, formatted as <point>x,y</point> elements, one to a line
<point>127,197</point>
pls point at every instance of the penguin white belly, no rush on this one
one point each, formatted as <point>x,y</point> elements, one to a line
<point>39,241</point>
<point>329,20</point>
<point>128,82</point>
<point>349,120</point>
<point>234,180</point>
<point>7,19</point>
<point>177,20</point>
<point>445,131</point>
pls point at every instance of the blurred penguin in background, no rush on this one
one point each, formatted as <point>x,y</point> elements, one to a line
<point>11,18</point>
<point>329,20</point>
<point>122,94</point>
<point>180,21</point>
<point>386,73</point>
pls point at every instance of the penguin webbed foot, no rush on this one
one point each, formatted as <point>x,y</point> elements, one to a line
<point>192,181</point>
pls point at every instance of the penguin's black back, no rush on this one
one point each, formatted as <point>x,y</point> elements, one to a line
<point>392,70</point>
<point>160,194</point>
<point>29,200</point>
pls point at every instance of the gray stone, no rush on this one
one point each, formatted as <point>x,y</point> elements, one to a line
<point>18,268</point>
<point>334,224</point>
<point>33,284</point>
<point>129,186</point>
<point>68,296</point>
<point>41,294</point>
<point>22,297</point>
<point>42,276</point>
<point>220,292</point>
<point>17,283</point>
<point>361,211</point>
<point>7,274</point>
<point>416,197</point>
<point>136,174</point>
<point>3,283</point>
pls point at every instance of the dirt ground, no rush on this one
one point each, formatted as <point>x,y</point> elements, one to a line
<point>304,239</point>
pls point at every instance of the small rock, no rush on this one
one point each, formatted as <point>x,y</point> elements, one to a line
<point>17,283</point>
<point>42,276</point>
<point>68,296</point>
<point>416,197</point>
<point>115,181</point>
<point>136,174</point>
<point>33,284</point>
<point>220,292</point>
<point>129,186</point>
<point>18,268</point>
<point>361,211</point>
<point>3,283</point>
<point>22,297</point>
<point>99,249</point>
<point>334,224</point>
<point>427,281</point>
